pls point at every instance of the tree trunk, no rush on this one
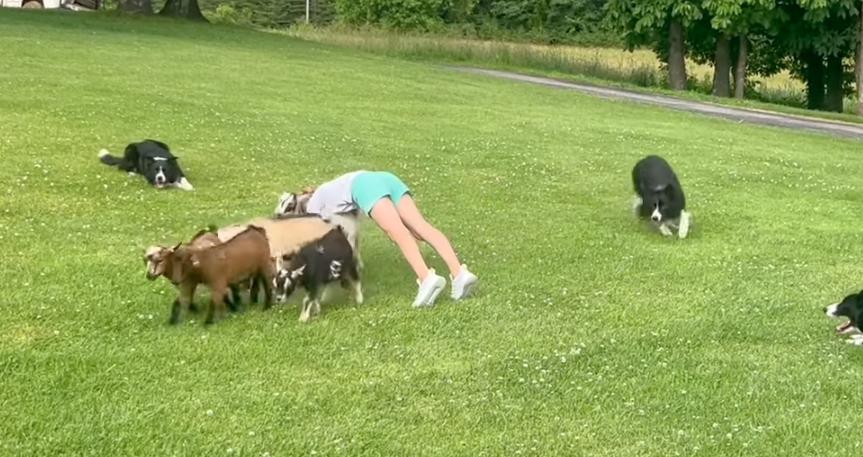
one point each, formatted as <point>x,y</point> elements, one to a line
<point>722,68</point>
<point>813,73</point>
<point>859,69</point>
<point>835,80</point>
<point>188,9</point>
<point>136,6</point>
<point>676,57</point>
<point>740,68</point>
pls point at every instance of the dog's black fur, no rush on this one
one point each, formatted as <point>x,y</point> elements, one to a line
<point>659,188</point>
<point>151,159</point>
<point>851,307</point>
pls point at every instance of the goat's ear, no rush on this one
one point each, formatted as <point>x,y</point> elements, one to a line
<point>175,247</point>
<point>298,271</point>
<point>287,203</point>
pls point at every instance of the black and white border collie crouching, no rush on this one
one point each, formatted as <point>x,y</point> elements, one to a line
<point>151,159</point>
<point>314,267</point>
<point>850,307</point>
<point>659,196</point>
<point>291,204</point>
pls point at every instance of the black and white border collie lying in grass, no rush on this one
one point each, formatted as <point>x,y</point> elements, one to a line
<point>850,307</point>
<point>659,196</point>
<point>151,159</point>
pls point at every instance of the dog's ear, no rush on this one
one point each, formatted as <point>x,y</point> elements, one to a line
<point>131,149</point>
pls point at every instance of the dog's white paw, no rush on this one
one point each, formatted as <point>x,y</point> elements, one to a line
<point>358,294</point>
<point>685,219</point>
<point>103,153</point>
<point>664,230</point>
<point>184,184</point>
<point>636,205</point>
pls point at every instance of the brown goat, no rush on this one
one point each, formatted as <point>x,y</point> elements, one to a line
<point>158,264</point>
<point>157,258</point>
<point>246,255</point>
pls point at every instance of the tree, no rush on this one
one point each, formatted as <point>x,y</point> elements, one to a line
<point>676,56</point>
<point>740,67</point>
<point>859,65</point>
<point>722,67</point>
<point>735,20</point>
<point>188,9</point>
<point>661,24</point>
<point>816,37</point>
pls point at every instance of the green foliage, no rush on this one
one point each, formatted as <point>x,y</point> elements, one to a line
<point>227,14</point>
<point>556,19</point>
<point>645,22</point>
<point>396,14</point>
<point>265,13</point>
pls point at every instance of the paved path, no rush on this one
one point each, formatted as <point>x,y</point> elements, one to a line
<point>835,128</point>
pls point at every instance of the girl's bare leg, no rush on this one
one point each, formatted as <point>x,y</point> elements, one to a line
<point>384,214</point>
<point>414,220</point>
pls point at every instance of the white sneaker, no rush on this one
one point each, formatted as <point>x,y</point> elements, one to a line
<point>430,288</point>
<point>463,283</point>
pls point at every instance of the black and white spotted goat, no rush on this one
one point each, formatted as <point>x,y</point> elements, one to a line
<point>317,265</point>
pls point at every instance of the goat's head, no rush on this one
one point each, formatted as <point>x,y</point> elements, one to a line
<point>159,261</point>
<point>291,203</point>
<point>287,278</point>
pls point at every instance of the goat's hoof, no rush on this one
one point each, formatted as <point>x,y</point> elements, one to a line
<point>174,321</point>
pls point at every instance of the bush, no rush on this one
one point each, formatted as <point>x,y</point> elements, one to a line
<point>422,15</point>
<point>227,14</point>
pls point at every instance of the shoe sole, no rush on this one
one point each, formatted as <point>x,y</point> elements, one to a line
<point>431,298</point>
<point>465,293</point>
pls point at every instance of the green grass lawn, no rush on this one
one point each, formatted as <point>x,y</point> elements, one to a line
<point>590,334</point>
